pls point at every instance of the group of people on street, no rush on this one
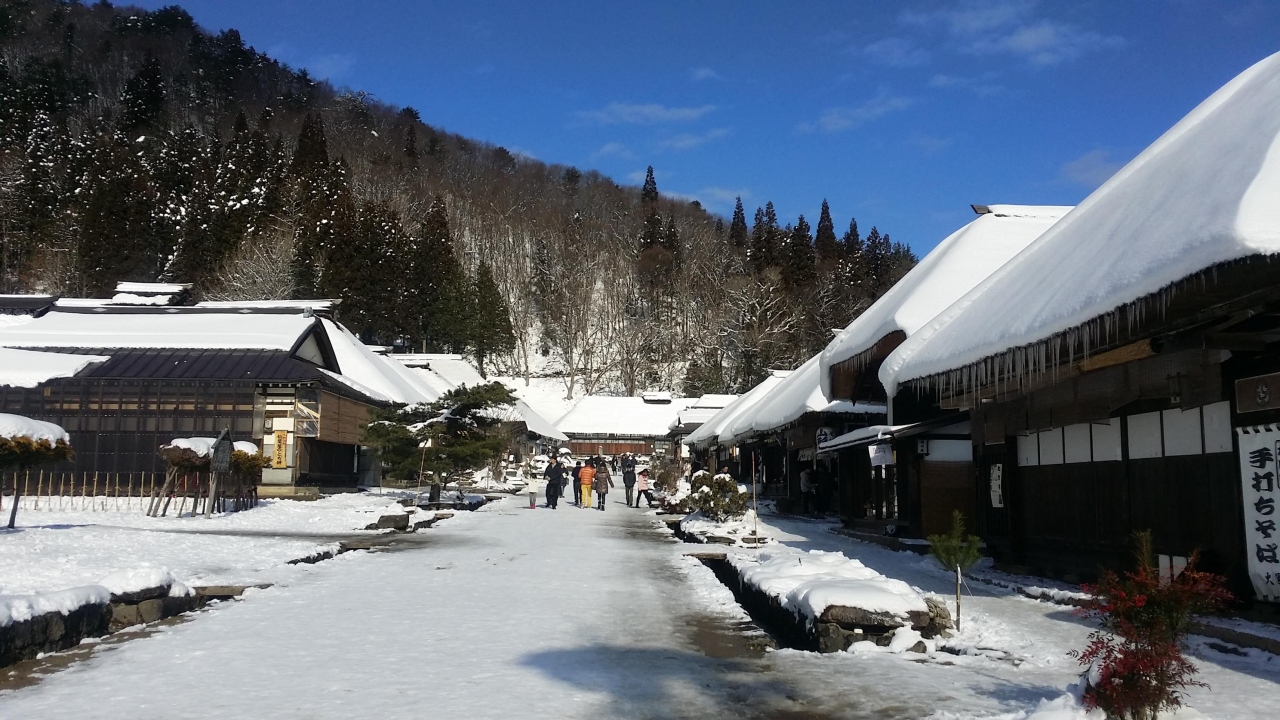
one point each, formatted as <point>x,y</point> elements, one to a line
<point>594,475</point>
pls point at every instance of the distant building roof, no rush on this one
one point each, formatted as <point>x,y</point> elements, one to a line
<point>605,416</point>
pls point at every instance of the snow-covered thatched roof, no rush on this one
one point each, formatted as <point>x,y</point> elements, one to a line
<point>1205,193</point>
<point>717,430</point>
<point>157,330</point>
<point>797,395</point>
<point>602,415</point>
<point>374,374</point>
<point>953,268</point>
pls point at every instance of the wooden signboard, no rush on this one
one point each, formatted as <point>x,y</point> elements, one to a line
<point>1261,392</point>
<point>280,452</point>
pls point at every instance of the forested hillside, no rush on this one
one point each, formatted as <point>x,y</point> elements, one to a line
<point>135,146</point>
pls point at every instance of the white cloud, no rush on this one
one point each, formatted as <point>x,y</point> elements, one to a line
<point>931,144</point>
<point>689,141</point>
<point>1090,169</point>
<point>895,52</point>
<point>611,149</point>
<point>705,73</point>
<point>643,114</point>
<point>984,84</point>
<point>846,118</point>
<point>1011,27</point>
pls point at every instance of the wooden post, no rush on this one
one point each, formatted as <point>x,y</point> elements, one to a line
<point>13,511</point>
<point>957,599</point>
<point>213,494</point>
<point>166,492</point>
<point>39,482</point>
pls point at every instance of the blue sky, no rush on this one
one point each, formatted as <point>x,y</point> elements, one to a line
<point>899,113</point>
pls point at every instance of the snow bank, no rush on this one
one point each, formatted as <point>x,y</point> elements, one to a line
<point>123,582</point>
<point>807,583</point>
<point>16,608</point>
<point>1202,194</point>
<point>28,369</point>
<point>17,426</point>
<point>123,298</point>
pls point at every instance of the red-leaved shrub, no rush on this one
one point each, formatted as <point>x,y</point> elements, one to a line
<point>1136,654</point>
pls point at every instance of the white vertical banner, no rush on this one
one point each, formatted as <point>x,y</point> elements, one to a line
<point>1259,456</point>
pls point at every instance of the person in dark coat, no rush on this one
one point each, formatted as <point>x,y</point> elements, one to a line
<point>601,483</point>
<point>629,479</point>
<point>577,489</point>
<point>555,482</point>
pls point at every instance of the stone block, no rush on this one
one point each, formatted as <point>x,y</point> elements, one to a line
<point>151,610</point>
<point>851,618</point>
<point>137,596</point>
<point>123,616</point>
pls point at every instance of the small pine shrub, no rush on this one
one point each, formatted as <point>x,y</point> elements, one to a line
<point>1136,655</point>
<point>717,498</point>
<point>956,548</point>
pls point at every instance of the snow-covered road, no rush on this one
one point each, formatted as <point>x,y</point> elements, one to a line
<point>514,613</point>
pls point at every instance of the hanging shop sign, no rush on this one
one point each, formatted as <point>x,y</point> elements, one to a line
<point>1259,451</point>
<point>822,435</point>
<point>881,454</point>
<point>1261,392</point>
<point>997,485</point>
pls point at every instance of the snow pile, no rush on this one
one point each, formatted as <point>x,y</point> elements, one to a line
<point>1202,194</point>
<point>134,299</point>
<point>28,369</point>
<point>203,446</point>
<point>123,582</point>
<point>807,583</point>
<point>16,608</point>
<point>736,529</point>
<point>17,426</point>
<point>949,271</point>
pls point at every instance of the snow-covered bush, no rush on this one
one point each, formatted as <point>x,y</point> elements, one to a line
<point>956,549</point>
<point>1135,661</point>
<point>717,497</point>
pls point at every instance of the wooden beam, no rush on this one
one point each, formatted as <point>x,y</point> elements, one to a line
<point>1119,356</point>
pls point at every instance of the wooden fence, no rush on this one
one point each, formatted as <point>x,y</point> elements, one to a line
<point>41,490</point>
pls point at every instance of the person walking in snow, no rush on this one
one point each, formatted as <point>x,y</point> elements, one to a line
<point>577,489</point>
<point>629,480</point>
<point>808,498</point>
<point>555,482</point>
<point>586,476</point>
<point>642,488</point>
<point>602,482</point>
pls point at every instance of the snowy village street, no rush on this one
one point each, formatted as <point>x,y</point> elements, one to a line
<point>510,612</point>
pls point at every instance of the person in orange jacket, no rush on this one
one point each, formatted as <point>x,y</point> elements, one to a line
<point>585,477</point>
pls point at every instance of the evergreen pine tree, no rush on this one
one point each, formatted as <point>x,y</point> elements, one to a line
<point>142,98</point>
<point>765,239</point>
<point>825,244</point>
<point>492,333</point>
<point>798,271</point>
<point>649,191</point>
<point>671,238</point>
<point>738,227</point>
